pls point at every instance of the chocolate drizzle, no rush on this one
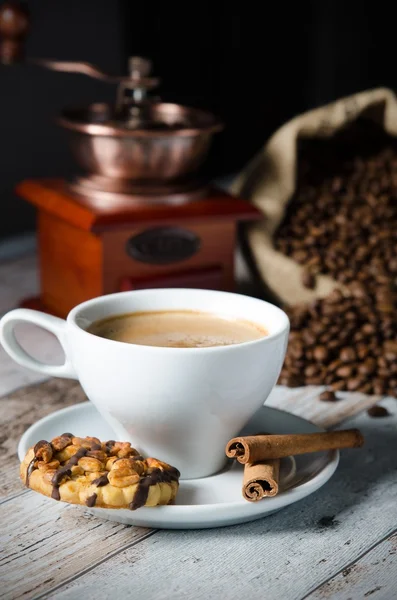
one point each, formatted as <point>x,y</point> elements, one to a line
<point>172,473</point>
<point>29,471</point>
<point>101,481</point>
<point>156,476</point>
<point>41,444</point>
<point>109,445</point>
<point>95,446</point>
<point>55,493</point>
<point>66,470</point>
<point>91,500</point>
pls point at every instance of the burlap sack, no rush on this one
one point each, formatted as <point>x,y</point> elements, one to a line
<point>269,182</point>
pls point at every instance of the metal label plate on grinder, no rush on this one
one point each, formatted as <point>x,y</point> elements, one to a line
<point>163,245</point>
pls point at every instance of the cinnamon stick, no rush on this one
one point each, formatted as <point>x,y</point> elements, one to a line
<point>260,480</point>
<point>256,448</point>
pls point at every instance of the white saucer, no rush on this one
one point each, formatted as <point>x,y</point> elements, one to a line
<point>213,501</point>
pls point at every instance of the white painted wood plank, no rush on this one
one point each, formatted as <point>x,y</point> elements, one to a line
<point>283,556</point>
<point>374,576</point>
<point>44,542</point>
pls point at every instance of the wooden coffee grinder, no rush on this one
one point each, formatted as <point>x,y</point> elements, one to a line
<point>139,215</point>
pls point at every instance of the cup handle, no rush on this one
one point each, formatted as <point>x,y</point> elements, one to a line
<point>53,324</point>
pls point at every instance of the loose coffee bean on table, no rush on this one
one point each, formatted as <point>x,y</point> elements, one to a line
<point>342,221</point>
<point>328,396</point>
<point>378,411</point>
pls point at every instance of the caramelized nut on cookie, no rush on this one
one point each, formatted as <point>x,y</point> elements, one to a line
<point>139,466</point>
<point>43,466</point>
<point>123,477</point>
<point>128,464</point>
<point>90,464</point>
<point>94,442</point>
<point>66,453</point>
<point>99,454</point>
<point>154,463</point>
<point>108,447</point>
<point>87,442</point>
<point>96,475</point>
<point>110,461</point>
<point>82,442</point>
<point>123,449</point>
<point>60,442</point>
<point>43,451</point>
<point>76,470</point>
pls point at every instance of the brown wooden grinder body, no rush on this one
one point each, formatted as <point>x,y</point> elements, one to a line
<point>87,249</point>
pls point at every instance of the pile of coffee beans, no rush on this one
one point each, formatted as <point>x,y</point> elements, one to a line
<point>346,341</point>
<point>342,221</point>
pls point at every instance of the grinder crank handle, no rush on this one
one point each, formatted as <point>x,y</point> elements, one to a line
<point>84,68</point>
<point>137,77</point>
<point>14,28</point>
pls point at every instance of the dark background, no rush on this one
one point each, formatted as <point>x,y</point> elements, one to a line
<point>256,65</point>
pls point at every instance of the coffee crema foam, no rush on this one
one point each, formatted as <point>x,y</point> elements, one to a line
<point>177,329</point>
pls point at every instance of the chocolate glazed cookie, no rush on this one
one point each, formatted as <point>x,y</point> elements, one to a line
<point>93,473</point>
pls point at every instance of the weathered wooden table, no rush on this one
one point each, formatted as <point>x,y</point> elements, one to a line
<point>340,543</point>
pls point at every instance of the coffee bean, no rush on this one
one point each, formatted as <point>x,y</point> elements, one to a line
<point>347,355</point>
<point>308,279</point>
<point>328,396</point>
<point>382,362</point>
<point>308,337</point>
<point>368,329</point>
<point>311,370</point>
<point>378,411</point>
<point>390,346</point>
<point>362,351</point>
<point>345,371</point>
<point>320,353</point>
<point>297,349</point>
<point>354,384</point>
<point>367,367</point>
<point>334,365</point>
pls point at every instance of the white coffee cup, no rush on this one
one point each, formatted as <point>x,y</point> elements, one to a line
<point>180,405</point>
